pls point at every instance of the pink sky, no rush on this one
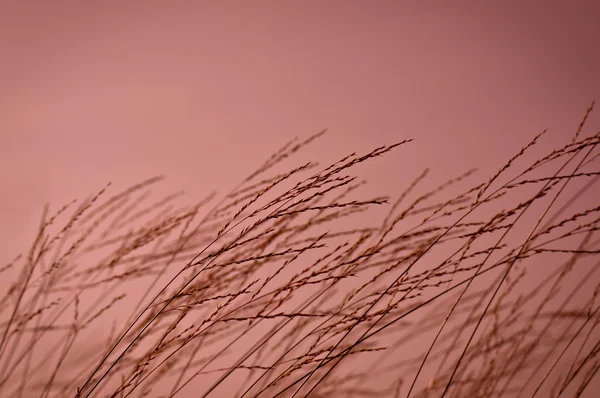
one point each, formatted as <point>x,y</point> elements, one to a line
<point>200,91</point>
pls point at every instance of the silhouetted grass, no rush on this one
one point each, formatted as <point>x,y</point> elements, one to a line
<point>288,286</point>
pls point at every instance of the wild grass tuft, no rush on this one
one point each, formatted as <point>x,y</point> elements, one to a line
<point>289,286</point>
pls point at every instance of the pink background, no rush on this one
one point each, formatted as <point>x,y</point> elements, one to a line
<point>202,92</point>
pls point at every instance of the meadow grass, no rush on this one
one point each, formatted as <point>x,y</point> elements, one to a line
<point>290,286</point>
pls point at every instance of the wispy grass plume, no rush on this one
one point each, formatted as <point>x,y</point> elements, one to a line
<point>293,284</point>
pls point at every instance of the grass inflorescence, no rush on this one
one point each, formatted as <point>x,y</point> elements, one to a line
<point>288,286</point>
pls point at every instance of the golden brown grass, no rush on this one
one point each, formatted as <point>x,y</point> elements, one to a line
<point>286,287</point>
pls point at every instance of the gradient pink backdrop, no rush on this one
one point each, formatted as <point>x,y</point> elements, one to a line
<point>92,92</point>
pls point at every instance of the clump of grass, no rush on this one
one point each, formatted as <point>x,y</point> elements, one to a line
<point>286,287</point>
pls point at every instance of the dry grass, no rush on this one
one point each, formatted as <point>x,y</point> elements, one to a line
<point>284,288</point>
